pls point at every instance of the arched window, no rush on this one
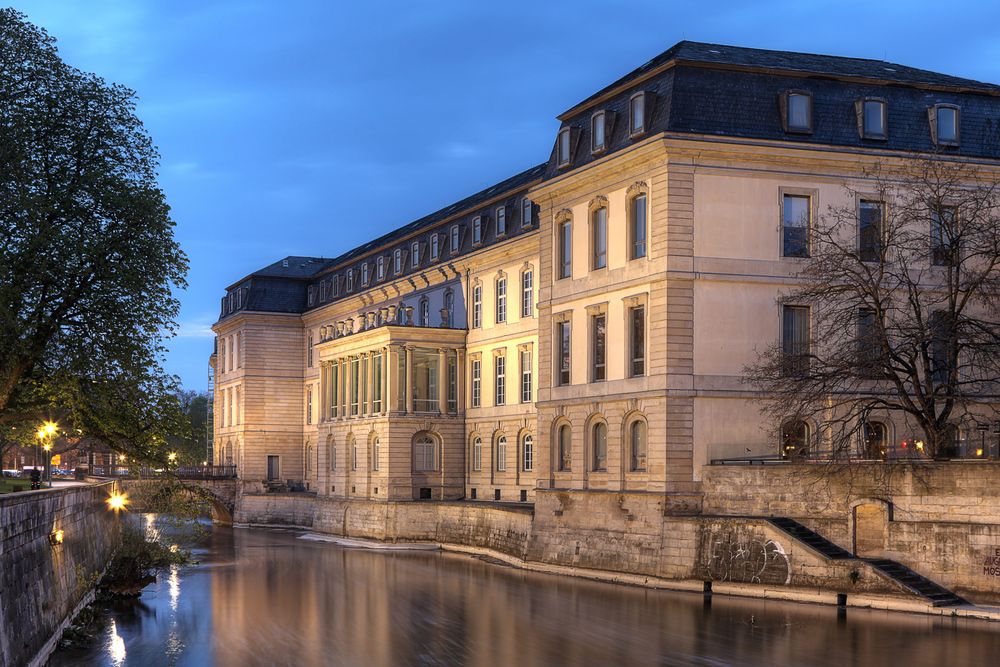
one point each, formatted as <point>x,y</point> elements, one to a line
<point>477,454</point>
<point>501,306</point>
<point>376,453</point>
<point>637,444</point>
<point>333,454</point>
<point>502,453</point>
<point>794,439</point>
<point>874,441</point>
<point>424,453</point>
<point>424,317</point>
<point>528,453</point>
<point>565,448</point>
<point>477,306</point>
<point>449,305</point>
<point>599,443</point>
<point>637,226</point>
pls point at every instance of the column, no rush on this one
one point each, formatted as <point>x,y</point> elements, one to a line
<point>385,380</point>
<point>409,380</point>
<point>442,381</point>
<point>392,379</point>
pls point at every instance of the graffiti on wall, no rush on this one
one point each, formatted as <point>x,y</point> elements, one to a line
<point>741,555</point>
<point>991,564</point>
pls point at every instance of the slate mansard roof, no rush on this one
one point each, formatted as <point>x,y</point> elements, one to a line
<point>692,88</point>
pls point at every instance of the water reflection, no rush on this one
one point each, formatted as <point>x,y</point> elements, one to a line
<point>266,598</point>
<point>116,645</point>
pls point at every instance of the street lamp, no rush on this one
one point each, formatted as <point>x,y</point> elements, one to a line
<point>45,433</point>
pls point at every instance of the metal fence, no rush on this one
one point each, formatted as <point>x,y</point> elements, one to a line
<point>181,472</point>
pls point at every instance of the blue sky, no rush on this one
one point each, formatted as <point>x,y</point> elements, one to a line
<point>310,127</point>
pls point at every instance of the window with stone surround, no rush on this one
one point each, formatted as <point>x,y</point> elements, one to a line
<point>528,453</point>
<point>502,453</point>
<point>637,445</point>
<point>599,446</point>
<point>477,382</point>
<point>424,453</point>
<point>477,454</point>
<point>564,448</point>
<point>501,300</point>
<point>500,376</point>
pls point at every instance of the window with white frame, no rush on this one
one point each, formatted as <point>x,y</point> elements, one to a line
<point>501,220</point>
<point>309,350</point>
<point>350,280</point>
<point>944,120</point>
<point>526,376</point>
<point>637,227</point>
<point>500,371</point>
<point>501,305</point>
<point>563,148</point>
<point>425,453</point>
<point>477,382</point>
<point>528,453</point>
<point>454,239</point>
<point>397,261</point>
<point>598,127</point>
<point>599,238</point>
<point>873,118</point>
<point>376,453</point>
<point>563,353</point>
<point>449,306</point>
<point>637,114</point>
<point>435,247</point>
<point>797,111</point>
<point>380,267</point>
<point>527,293</point>
<point>424,312</point>
<point>364,273</point>
<point>565,248</point>
<point>502,453</point>
<point>637,341</point>
<point>477,230</point>
<point>477,306</point>
<point>477,454</point>
<point>526,216</point>
<point>415,254</point>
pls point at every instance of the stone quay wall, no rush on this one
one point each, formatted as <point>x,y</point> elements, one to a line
<point>43,585</point>
<point>625,537</point>
<point>941,519</point>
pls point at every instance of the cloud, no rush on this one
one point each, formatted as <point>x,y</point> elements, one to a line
<point>195,330</point>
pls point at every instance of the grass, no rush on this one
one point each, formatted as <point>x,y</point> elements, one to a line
<point>7,484</point>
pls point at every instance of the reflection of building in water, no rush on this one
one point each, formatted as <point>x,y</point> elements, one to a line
<point>583,324</point>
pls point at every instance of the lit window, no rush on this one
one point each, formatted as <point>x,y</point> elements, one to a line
<point>501,221</point>
<point>415,254</point>
<point>565,242</point>
<point>945,124</point>
<point>526,212</point>
<point>598,140</point>
<point>796,211</point>
<point>500,397</point>
<point>435,247</point>
<point>637,114</point>
<point>798,112</point>
<point>454,239</point>
<point>794,439</point>
<point>563,153</point>
<point>599,238</point>
<point>477,230</point>
<point>477,306</point>
<point>501,310</point>
<point>502,453</point>
<point>873,118</point>
<point>397,261</point>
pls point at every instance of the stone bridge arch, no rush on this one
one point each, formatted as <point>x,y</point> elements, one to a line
<point>220,494</point>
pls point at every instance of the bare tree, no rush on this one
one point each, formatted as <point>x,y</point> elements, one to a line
<point>899,301</point>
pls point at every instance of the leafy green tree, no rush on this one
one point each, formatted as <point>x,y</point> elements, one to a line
<point>88,261</point>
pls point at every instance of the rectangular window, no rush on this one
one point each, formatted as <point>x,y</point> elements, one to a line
<point>425,380</point>
<point>397,261</point>
<point>795,339</point>
<point>477,457</point>
<point>598,343</point>
<point>870,219</point>
<point>363,390</point>
<point>526,212</point>
<point>501,310</point>
<point>453,382</point>
<point>454,239</point>
<point>563,353</point>
<point>477,306</point>
<point>336,285</point>
<point>380,263</point>
<point>942,232</point>
<point>350,280</point>
<point>309,350</point>
<point>527,294</point>
<point>796,211</point>
<point>565,249</point>
<point>500,397</point>
<point>798,112</point>
<point>529,453</point>
<point>598,140</point>
<point>355,380</point>
<point>435,247</point>
<point>309,406</point>
<point>377,382</point>
<point>868,348</point>
<point>599,238</point>
<point>502,454</point>
<point>415,254</point>
<point>364,273</point>
<point>477,230</point>
<point>526,376</point>
<point>335,389</point>
<point>874,119</point>
<point>637,114</point>
<point>637,341</point>
<point>477,382</point>
<point>945,124</point>
<point>501,221</point>
<point>563,148</point>
<point>637,230</point>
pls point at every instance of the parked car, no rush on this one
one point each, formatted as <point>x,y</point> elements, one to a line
<point>11,473</point>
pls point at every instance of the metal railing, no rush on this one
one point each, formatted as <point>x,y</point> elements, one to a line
<point>181,472</point>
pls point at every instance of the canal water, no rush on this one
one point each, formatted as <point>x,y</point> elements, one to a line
<point>268,597</point>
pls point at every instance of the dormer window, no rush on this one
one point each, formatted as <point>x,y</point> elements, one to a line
<point>944,120</point>
<point>435,247</point>
<point>380,268</point>
<point>415,254</point>
<point>637,114</point>
<point>796,111</point>
<point>873,118</point>
<point>336,286</point>
<point>350,280</point>
<point>526,212</point>
<point>598,132</point>
<point>364,273</point>
<point>563,152</point>
<point>477,230</point>
<point>397,260</point>
<point>454,239</point>
<point>501,221</point>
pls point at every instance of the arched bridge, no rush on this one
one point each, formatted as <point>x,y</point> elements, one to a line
<point>216,485</point>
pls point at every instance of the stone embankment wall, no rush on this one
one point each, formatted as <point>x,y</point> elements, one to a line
<point>941,519</point>
<point>43,584</point>
<point>629,537</point>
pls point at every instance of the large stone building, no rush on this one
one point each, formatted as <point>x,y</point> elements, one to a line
<point>583,324</point>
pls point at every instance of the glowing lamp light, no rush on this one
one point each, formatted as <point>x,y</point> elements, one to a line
<point>979,452</point>
<point>117,501</point>
<point>56,537</point>
<point>172,456</point>
<point>49,428</point>
<point>920,445</point>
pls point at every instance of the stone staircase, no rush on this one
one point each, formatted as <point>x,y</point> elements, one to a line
<point>937,595</point>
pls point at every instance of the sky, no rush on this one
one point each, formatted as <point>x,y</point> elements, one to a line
<point>308,128</point>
